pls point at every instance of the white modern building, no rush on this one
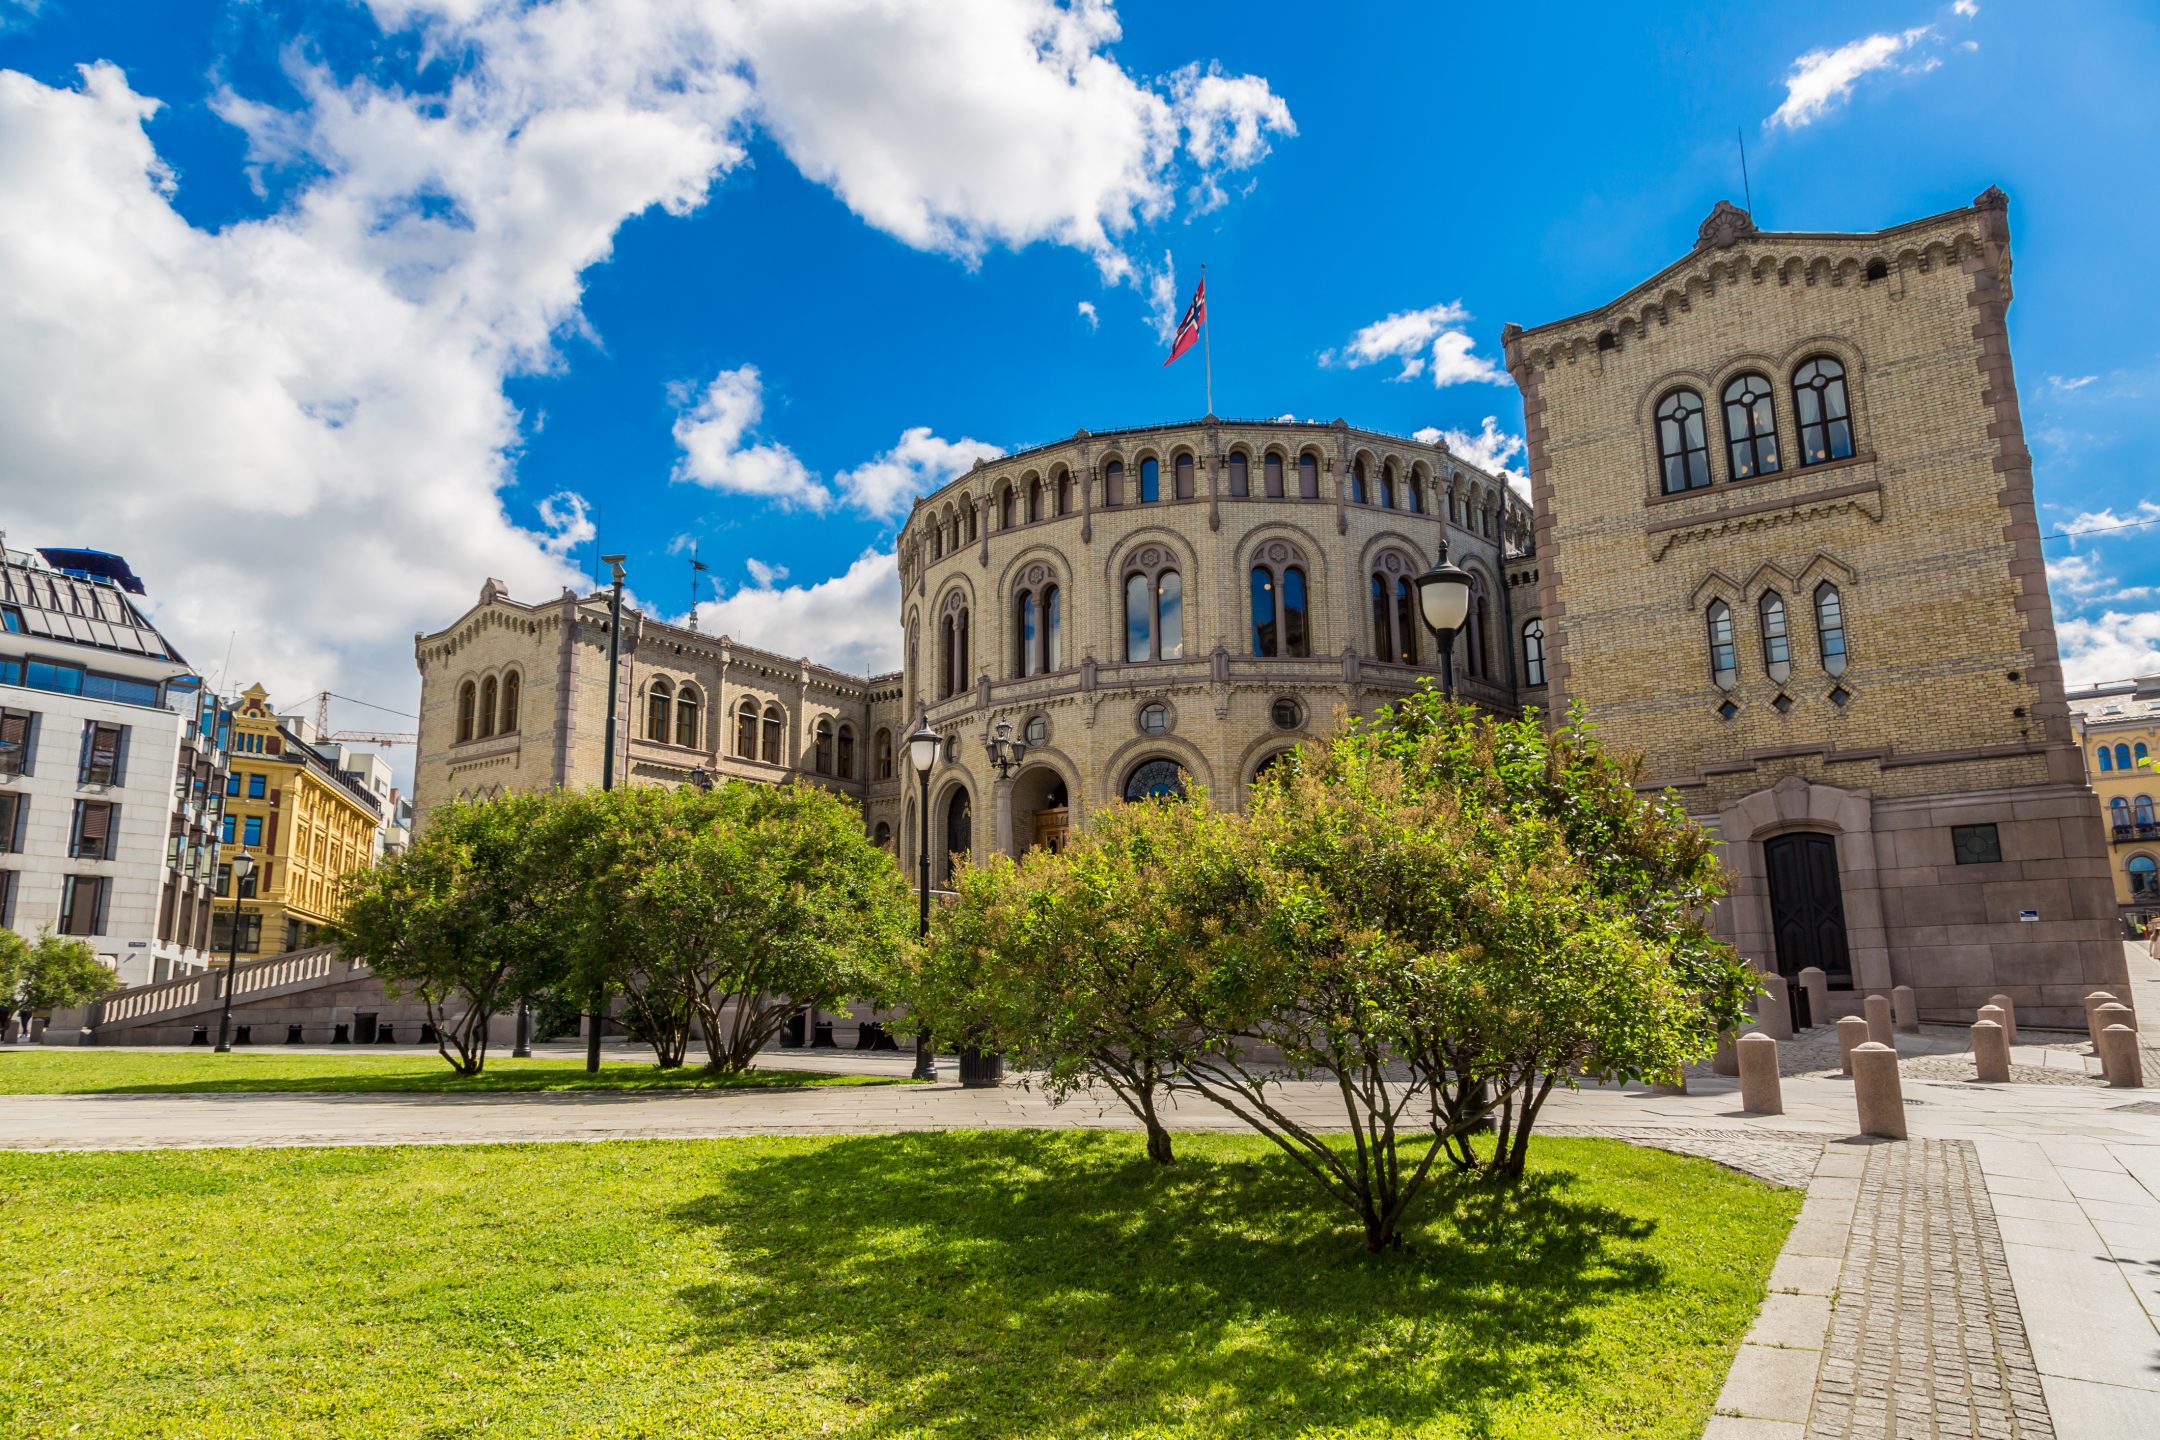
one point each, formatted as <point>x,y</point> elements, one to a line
<point>111,772</point>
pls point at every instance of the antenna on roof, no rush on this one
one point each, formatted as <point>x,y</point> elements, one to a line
<point>697,568</point>
<point>1747,192</point>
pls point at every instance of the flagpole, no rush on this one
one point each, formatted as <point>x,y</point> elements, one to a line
<point>1207,350</point>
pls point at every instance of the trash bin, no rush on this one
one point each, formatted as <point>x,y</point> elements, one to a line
<point>341,1035</point>
<point>386,1034</point>
<point>201,1035</point>
<point>791,1034</point>
<point>979,1071</point>
<point>822,1038</point>
<point>293,1034</point>
<point>243,1035</point>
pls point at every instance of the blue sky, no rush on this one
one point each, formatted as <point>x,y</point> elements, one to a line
<point>323,313</point>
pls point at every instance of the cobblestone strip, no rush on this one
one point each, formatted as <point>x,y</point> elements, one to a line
<point>1784,1158</point>
<point>1926,1339</point>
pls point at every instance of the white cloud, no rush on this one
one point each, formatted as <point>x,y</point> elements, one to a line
<point>1966,8</point>
<point>296,426</point>
<point>2088,521</point>
<point>715,433</point>
<point>854,616</point>
<point>762,574</point>
<point>568,520</point>
<point>2071,383</point>
<point>919,463</point>
<point>1822,80</point>
<point>1087,313</point>
<point>1422,341</point>
<point>1491,450</point>
<point>1227,121</point>
<point>2114,646</point>
<point>1163,309</point>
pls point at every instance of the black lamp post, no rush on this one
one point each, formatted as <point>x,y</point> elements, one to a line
<point>243,870</point>
<point>614,563</point>
<point>702,778</point>
<point>922,749</point>
<point>1443,594</point>
<point>1006,753</point>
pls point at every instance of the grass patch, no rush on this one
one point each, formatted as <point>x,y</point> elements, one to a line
<point>45,1070</point>
<point>1032,1283</point>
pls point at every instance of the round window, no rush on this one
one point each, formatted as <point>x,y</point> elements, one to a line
<point>1036,731</point>
<point>1155,718</point>
<point>1287,714</point>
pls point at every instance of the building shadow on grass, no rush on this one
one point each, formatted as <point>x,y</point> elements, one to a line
<point>1053,1283</point>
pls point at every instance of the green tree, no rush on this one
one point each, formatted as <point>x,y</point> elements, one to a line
<point>723,912</point>
<point>472,917</point>
<point>1081,967</point>
<point>14,958</point>
<point>58,972</point>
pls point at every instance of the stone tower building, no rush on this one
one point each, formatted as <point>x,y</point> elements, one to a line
<point>1785,530</point>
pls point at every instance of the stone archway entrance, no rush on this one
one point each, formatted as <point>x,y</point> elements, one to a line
<point>959,836</point>
<point>1041,810</point>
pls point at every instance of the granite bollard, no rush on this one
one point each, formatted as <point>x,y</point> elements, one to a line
<point>1995,1013</point>
<point>1876,1091</point>
<point>1852,1032</point>
<point>2093,1002</point>
<point>1817,986</point>
<point>2105,1017</point>
<point>1877,1010</point>
<point>2009,1020</point>
<point>1906,1008</point>
<point>1760,1090</point>
<point>1991,1051</point>
<point>2119,1058</point>
<point>1773,1012</point>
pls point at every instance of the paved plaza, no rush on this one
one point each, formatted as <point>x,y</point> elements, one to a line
<point>1997,1275</point>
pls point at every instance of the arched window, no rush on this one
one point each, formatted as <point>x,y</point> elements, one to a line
<point>1240,474</point>
<point>2138,750</point>
<point>487,708</point>
<point>2122,755</point>
<point>1154,614</point>
<point>1413,493</point>
<point>1750,428</point>
<point>774,721</point>
<point>659,710</point>
<point>746,729</point>
<point>1278,606</point>
<point>967,517</point>
<point>1184,477</point>
<point>1533,652</point>
<point>846,764</point>
<point>1825,412</point>
<point>512,692</point>
<point>1683,452</point>
<point>882,837</point>
<point>1387,486</point>
<point>1357,481</point>
<point>1035,499</point>
<point>686,716</point>
<point>1308,476</point>
<point>1025,627</point>
<point>1064,493</point>
<point>1406,620</point>
<point>1776,649</point>
<point>2144,873</point>
<point>953,648</point>
<point>1391,603</point>
<point>2107,759</point>
<point>2119,815</point>
<point>1038,631</point>
<point>1454,501</point>
<point>1724,659</point>
<point>937,542</point>
<point>1150,481</point>
<point>821,746</point>
<point>1477,628</point>
<point>467,696</point>
<point>1155,779</point>
<point>1271,475</point>
<point>1383,622</point>
<point>1006,516</point>
<point>1830,628</point>
<point>1113,483</point>
<point>1053,628</point>
<point>2144,810</point>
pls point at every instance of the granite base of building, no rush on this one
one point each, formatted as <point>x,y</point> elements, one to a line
<point>1961,896</point>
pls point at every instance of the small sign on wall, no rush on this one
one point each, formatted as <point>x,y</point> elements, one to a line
<point>2028,915</point>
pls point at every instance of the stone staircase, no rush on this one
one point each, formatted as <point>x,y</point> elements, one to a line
<point>191,998</point>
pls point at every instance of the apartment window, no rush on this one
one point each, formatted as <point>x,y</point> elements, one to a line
<point>94,831</point>
<point>12,814</point>
<point>251,830</point>
<point>15,732</point>
<point>1724,663</point>
<point>256,784</point>
<point>103,748</point>
<point>1975,844</point>
<point>11,619</point>
<point>82,904</point>
<point>7,897</point>
<point>221,934</point>
<point>225,835</point>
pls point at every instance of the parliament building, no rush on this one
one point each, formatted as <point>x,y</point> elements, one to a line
<point>1781,542</point>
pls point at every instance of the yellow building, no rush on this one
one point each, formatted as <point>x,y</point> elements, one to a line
<point>2118,729</point>
<point>306,824</point>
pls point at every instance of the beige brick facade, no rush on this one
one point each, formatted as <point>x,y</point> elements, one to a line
<point>1918,549</point>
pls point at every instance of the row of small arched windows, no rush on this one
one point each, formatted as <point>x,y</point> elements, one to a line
<point>2123,757</point>
<point>1752,448</point>
<point>672,713</point>
<point>2123,815</point>
<point>1776,636</point>
<point>488,707</point>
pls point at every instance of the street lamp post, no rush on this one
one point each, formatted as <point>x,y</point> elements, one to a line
<point>243,870</point>
<point>614,563</point>
<point>1006,753</point>
<point>1443,594</point>
<point>922,749</point>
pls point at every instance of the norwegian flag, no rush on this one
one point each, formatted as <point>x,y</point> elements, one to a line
<point>1188,329</point>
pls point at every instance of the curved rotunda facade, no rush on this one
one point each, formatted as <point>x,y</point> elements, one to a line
<point>1174,605</point>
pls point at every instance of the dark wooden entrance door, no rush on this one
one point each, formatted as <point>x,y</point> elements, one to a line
<point>1807,906</point>
<point>959,833</point>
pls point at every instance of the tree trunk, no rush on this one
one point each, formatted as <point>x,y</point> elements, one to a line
<point>1158,1139</point>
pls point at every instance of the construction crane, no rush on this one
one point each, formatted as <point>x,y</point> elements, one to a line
<point>357,737</point>
<point>368,737</point>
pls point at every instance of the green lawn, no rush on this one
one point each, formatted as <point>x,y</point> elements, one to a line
<point>965,1284</point>
<point>47,1070</point>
